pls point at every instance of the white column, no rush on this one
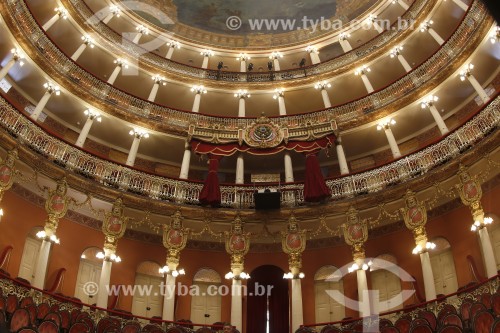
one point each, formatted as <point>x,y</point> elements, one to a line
<point>154,91</point>
<point>363,293</point>
<point>373,20</point>
<point>91,116</point>
<point>170,52</point>
<point>488,254</point>
<point>461,4</point>
<point>240,175</point>
<point>478,88</point>
<point>204,64</point>
<point>241,107</point>
<point>51,89</point>
<point>169,298</point>
<point>344,169</point>
<point>113,11</point>
<point>120,63</point>
<point>7,68</point>
<point>78,52</point>
<point>41,265</point>
<point>133,151</point>
<point>436,37</point>
<point>405,63</point>
<point>276,64</point>
<point>367,83</point>
<point>362,72</point>
<point>142,30</point>
<point>313,54</point>
<point>326,99</point>
<point>344,43</point>
<point>237,305</point>
<point>186,160</point>
<point>282,107</point>
<point>104,280</point>
<point>15,57</point>
<point>137,38</point>
<point>60,12</point>
<point>392,142</point>
<point>297,309</point>
<point>430,288</point>
<point>288,168</point>
<point>114,75</point>
<point>403,4</point>
<point>196,103</point>
<point>439,120</point>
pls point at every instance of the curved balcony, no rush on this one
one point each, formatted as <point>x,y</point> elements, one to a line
<point>155,187</point>
<point>116,42</point>
<point>115,101</point>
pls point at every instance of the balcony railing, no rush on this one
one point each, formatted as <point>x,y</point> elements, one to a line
<point>183,191</point>
<point>178,121</point>
<point>118,43</point>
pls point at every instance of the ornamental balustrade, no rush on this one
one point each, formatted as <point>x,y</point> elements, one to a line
<point>23,291</point>
<point>155,187</point>
<point>119,44</point>
<point>179,121</point>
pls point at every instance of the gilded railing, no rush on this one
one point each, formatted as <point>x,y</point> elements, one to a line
<point>179,121</point>
<point>120,44</point>
<point>161,188</point>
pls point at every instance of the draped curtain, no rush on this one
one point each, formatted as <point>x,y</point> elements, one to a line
<point>265,276</point>
<point>210,193</point>
<point>315,188</point>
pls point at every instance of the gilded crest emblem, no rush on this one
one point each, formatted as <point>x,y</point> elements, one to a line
<point>263,133</point>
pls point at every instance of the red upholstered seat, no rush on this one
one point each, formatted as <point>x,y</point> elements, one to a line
<point>476,308</point>
<point>74,315</point>
<point>496,326</point>
<point>403,325</point>
<point>43,310</point>
<point>486,300</point>
<point>84,318</point>
<point>389,329</point>
<point>27,330</point>
<point>32,309</point>
<point>2,317</point>
<point>79,328</point>
<point>384,322</point>
<point>421,329</point>
<point>209,330</point>
<point>20,318</point>
<point>172,329</point>
<point>12,304</point>
<point>451,319</point>
<point>482,322</point>
<point>419,322</point>
<point>3,303</point>
<point>48,327</point>
<point>465,309</point>
<point>330,329</point>
<point>65,319</point>
<point>152,328</point>
<point>450,329</point>
<point>430,317</point>
<point>445,310</point>
<point>55,317</point>
<point>495,304</point>
<point>131,328</point>
<point>26,301</point>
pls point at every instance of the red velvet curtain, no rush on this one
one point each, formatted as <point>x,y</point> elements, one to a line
<point>270,278</point>
<point>315,188</point>
<point>210,193</point>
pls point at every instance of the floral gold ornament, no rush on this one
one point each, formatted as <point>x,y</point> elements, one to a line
<point>7,172</point>
<point>470,193</point>
<point>293,242</point>
<point>355,233</point>
<point>263,133</point>
<point>237,246</point>
<point>56,206</point>
<point>175,237</point>
<point>415,217</point>
<point>115,224</point>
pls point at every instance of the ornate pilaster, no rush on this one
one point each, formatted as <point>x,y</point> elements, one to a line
<point>7,172</point>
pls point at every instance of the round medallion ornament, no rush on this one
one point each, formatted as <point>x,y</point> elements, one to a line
<point>263,133</point>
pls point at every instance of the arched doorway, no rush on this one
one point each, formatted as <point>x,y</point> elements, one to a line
<point>89,271</point>
<point>387,283</point>
<point>30,255</point>
<point>148,301</point>
<point>326,308</point>
<point>206,306</point>
<point>443,267</point>
<point>267,301</point>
